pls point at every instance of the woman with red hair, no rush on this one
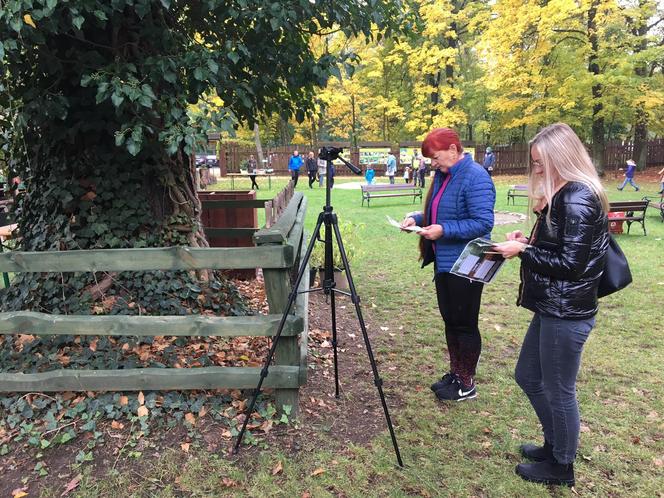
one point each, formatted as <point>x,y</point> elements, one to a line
<point>457,209</point>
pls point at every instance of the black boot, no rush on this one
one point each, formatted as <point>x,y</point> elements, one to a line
<point>550,472</point>
<point>537,453</point>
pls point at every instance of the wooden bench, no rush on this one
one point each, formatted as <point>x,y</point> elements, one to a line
<point>386,190</point>
<point>657,204</point>
<point>516,191</point>
<point>635,211</point>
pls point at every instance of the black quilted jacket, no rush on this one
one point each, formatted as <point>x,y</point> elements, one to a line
<point>561,269</point>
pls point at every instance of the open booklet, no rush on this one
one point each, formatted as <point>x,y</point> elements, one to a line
<point>478,261</point>
<point>395,223</point>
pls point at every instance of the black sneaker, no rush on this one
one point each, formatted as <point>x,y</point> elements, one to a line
<point>547,472</point>
<point>445,380</point>
<point>456,391</point>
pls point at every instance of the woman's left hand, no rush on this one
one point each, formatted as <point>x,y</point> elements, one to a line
<point>432,232</point>
<point>510,248</point>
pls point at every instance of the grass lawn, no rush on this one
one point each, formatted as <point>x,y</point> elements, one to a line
<point>466,449</point>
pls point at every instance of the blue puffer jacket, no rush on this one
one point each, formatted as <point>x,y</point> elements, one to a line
<point>465,211</point>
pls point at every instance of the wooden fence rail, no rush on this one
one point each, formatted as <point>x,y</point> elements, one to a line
<point>275,252</point>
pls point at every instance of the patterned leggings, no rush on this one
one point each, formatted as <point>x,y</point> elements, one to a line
<point>459,304</point>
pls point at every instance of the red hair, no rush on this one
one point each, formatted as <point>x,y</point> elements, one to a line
<point>440,139</point>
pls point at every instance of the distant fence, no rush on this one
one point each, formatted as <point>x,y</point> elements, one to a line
<point>510,159</point>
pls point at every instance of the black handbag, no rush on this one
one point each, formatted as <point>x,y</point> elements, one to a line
<point>616,275</point>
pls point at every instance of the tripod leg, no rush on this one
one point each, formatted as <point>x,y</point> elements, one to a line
<point>356,301</point>
<point>334,342</point>
<point>280,328</point>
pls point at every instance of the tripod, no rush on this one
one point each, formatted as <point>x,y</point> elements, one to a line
<point>328,218</point>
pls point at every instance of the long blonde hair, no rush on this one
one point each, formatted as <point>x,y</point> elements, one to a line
<point>564,159</point>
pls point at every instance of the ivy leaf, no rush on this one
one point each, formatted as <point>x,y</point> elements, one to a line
<point>78,21</point>
<point>117,99</point>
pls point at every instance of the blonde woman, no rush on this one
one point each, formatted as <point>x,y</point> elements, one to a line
<point>561,265</point>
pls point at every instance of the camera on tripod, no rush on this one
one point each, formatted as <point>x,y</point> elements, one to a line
<point>330,153</point>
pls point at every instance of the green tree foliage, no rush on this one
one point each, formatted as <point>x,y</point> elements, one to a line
<point>97,94</point>
<point>500,70</point>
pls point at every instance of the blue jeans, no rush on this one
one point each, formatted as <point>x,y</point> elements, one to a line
<point>546,371</point>
<point>631,182</point>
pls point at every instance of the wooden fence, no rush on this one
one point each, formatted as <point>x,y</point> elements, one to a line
<point>510,159</point>
<point>276,252</point>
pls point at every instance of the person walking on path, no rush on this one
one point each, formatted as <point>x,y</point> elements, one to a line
<point>322,169</point>
<point>294,165</point>
<point>458,208</point>
<point>312,168</point>
<point>489,160</point>
<point>629,175</point>
<point>661,180</point>
<point>391,167</point>
<point>561,266</point>
<point>251,171</point>
<point>422,170</point>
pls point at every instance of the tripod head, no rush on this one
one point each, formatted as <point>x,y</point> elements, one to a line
<point>331,153</point>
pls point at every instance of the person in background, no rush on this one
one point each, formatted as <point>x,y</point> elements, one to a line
<point>629,175</point>
<point>251,171</point>
<point>561,266</point>
<point>406,174</point>
<point>489,160</point>
<point>294,165</point>
<point>458,208</point>
<point>312,168</point>
<point>661,180</point>
<point>369,175</point>
<point>391,167</point>
<point>421,170</point>
<point>322,169</point>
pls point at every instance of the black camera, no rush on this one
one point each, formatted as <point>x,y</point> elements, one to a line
<point>330,153</point>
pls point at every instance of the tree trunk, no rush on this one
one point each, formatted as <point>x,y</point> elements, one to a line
<point>597,90</point>
<point>259,146</point>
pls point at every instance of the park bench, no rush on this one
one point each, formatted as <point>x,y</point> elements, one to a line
<point>657,204</point>
<point>387,190</point>
<point>277,252</point>
<point>635,211</point>
<point>516,191</point>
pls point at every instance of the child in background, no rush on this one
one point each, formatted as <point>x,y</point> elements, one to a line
<point>629,175</point>
<point>661,180</point>
<point>406,174</point>
<point>369,175</point>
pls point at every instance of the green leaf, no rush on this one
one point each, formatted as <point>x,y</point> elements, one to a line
<point>117,99</point>
<point>78,21</point>
<point>166,3</point>
<point>198,74</point>
<point>101,15</point>
<point>214,67</point>
<point>133,147</point>
<point>234,57</point>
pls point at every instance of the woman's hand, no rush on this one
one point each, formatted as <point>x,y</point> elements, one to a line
<point>510,248</point>
<point>408,221</point>
<point>432,232</point>
<point>518,236</point>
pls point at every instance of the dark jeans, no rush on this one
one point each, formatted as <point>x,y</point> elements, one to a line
<point>421,173</point>
<point>312,178</point>
<point>546,371</point>
<point>459,304</point>
<point>294,174</point>
<point>253,181</point>
<point>391,179</point>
